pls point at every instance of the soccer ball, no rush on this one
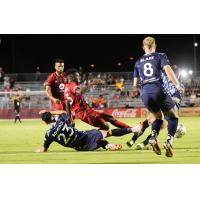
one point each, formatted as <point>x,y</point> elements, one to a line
<point>181,131</point>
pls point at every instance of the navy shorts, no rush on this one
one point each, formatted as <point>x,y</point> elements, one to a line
<point>157,101</point>
<point>91,140</point>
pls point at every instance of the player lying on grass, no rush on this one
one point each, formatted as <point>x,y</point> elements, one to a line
<point>66,135</point>
<point>73,94</point>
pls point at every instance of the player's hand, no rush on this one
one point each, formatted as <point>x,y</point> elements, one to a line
<point>40,150</point>
<point>57,101</point>
<point>42,111</point>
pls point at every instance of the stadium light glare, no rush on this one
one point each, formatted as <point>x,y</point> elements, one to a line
<point>119,64</point>
<point>131,58</point>
<point>196,44</point>
<point>92,65</point>
<point>190,72</point>
<point>184,73</point>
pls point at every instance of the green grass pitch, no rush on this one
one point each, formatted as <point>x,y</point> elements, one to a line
<point>18,142</point>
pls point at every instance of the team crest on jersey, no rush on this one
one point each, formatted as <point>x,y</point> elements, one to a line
<point>62,86</point>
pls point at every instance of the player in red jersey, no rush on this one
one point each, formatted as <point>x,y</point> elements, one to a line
<point>73,93</point>
<point>55,85</point>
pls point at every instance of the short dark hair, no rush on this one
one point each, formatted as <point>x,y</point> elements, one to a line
<point>59,60</point>
<point>71,71</point>
<point>47,117</point>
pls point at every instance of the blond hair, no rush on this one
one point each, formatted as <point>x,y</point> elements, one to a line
<point>148,42</point>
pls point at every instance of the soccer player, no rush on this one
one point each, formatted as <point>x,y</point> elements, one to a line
<point>149,69</point>
<point>73,93</point>
<point>55,85</point>
<point>172,91</point>
<point>66,135</point>
<point>17,100</point>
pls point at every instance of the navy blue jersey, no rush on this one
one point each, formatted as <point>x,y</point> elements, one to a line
<point>149,68</point>
<point>63,133</point>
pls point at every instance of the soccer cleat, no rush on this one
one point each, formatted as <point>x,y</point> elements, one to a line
<point>130,143</point>
<point>113,147</point>
<point>153,142</point>
<point>168,148</point>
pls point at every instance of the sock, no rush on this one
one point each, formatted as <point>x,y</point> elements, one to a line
<point>170,139</point>
<point>172,127</point>
<point>156,127</point>
<point>121,131</point>
<point>135,137</point>
<point>146,141</point>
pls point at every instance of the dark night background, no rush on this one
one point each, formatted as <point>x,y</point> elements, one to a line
<point>23,53</point>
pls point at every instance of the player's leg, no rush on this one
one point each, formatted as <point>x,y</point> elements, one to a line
<point>114,121</point>
<point>95,140</point>
<point>143,144</point>
<point>171,115</point>
<point>151,102</point>
<point>20,119</point>
<point>140,129</point>
<point>172,118</point>
<point>94,119</point>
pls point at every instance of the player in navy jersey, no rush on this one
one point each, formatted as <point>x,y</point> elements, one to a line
<point>66,135</point>
<point>171,90</point>
<point>149,69</point>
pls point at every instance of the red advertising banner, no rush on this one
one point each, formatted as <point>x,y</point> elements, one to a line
<point>122,112</point>
<point>33,113</point>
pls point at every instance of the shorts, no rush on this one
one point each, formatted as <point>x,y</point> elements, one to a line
<point>90,140</point>
<point>60,106</point>
<point>93,118</point>
<point>157,101</point>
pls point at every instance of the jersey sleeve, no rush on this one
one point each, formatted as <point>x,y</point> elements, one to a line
<point>136,73</point>
<point>47,140</point>
<point>49,80</point>
<point>164,60</point>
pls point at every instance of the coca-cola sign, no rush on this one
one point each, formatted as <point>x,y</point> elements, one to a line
<point>122,112</point>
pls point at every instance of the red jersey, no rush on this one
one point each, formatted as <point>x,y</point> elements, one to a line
<point>76,100</point>
<point>57,84</point>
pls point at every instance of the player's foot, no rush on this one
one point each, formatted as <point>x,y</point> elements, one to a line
<point>153,142</point>
<point>136,130</point>
<point>130,143</point>
<point>168,148</point>
<point>113,147</point>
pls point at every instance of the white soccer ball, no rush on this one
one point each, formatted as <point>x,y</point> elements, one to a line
<point>181,131</point>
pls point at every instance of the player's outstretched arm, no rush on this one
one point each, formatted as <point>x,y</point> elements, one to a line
<point>135,80</point>
<point>53,112</point>
<point>172,77</point>
<point>49,94</point>
<point>41,150</point>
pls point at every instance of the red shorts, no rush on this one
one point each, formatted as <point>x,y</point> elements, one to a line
<point>60,106</point>
<point>92,118</point>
